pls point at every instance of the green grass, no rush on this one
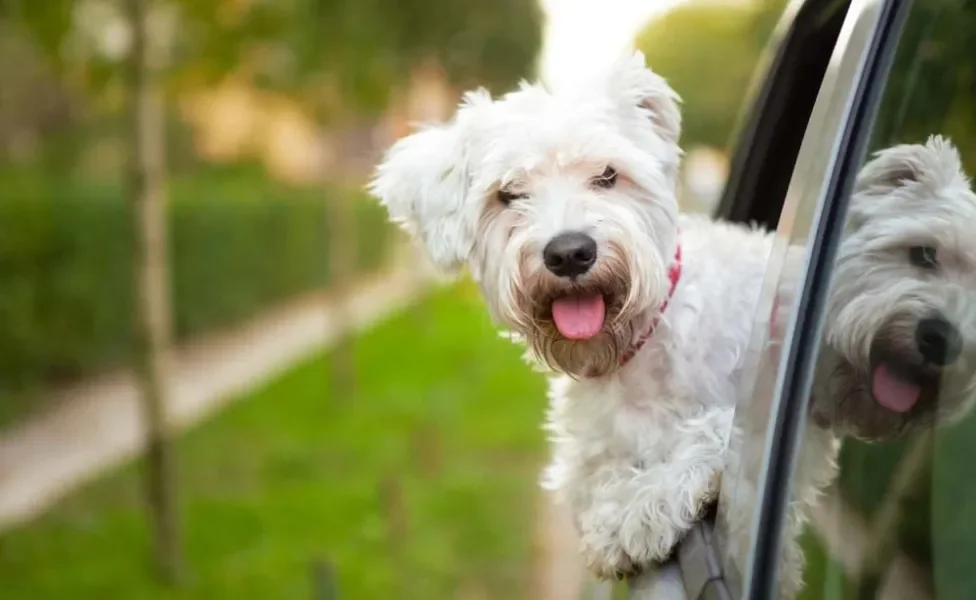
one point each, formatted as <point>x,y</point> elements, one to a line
<point>825,577</point>
<point>289,475</point>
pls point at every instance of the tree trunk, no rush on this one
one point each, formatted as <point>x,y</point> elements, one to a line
<point>151,307</point>
<point>342,239</point>
<point>342,262</point>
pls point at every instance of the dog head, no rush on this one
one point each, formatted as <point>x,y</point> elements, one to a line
<point>900,345</point>
<point>562,206</point>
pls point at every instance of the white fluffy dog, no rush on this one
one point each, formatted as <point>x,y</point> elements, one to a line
<point>562,206</point>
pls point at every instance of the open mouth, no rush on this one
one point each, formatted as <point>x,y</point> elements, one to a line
<point>579,316</point>
<point>899,384</point>
<point>579,311</point>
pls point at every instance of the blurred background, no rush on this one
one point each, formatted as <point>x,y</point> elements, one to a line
<point>222,374</point>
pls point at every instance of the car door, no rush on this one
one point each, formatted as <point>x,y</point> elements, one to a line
<point>891,254</point>
<point>793,170</point>
<point>881,204</point>
<point>771,130</point>
<point>772,417</point>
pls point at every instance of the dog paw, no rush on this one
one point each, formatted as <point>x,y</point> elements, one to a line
<point>612,554</point>
<point>602,548</point>
<point>608,562</point>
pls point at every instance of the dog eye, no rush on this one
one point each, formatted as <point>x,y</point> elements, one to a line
<point>506,197</point>
<point>923,257</point>
<point>607,179</point>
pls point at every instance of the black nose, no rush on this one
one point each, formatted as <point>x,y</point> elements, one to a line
<point>938,341</point>
<point>570,254</point>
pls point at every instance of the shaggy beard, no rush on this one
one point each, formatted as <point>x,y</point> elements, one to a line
<point>592,357</point>
<point>599,355</point>
<point>843,400</point>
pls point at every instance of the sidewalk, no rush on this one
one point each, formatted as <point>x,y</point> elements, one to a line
<point>97,424</point>
<point>558,572</point>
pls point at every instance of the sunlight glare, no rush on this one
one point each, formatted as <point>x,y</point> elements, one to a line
<point>584,35</point>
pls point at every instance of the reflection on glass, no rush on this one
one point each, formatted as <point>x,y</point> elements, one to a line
<point>897,367</point>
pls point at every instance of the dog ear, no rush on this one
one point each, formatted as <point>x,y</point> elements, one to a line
<point>922,168</point>
<point>935,164</point>
<point>423,182</point>
<point>634,84</point>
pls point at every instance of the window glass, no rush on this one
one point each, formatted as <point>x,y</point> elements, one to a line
<point>748,453</point>
<point>894,380</point>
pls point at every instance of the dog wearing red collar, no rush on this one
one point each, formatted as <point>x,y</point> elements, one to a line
<point>562,205</point>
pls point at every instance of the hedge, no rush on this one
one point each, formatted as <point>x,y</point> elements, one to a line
<point>239,242</point>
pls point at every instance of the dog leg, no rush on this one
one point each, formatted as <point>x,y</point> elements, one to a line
<point>631,515</point>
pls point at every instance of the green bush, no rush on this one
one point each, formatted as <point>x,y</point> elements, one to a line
<point>239,242</point>
<point>709,53</point>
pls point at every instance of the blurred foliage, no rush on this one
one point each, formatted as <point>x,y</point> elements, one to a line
<point>932,88</point>
<point>708,52</point>
<point>239,243</point>
<point>287,476</point>
<point>336,55</point>
<point>824,576</point>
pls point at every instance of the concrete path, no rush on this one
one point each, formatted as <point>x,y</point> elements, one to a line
<point>558,572</point>
<point>97,425</point>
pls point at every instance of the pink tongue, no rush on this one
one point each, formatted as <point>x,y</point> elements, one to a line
<point>579,318</point>
<point>893,393</point>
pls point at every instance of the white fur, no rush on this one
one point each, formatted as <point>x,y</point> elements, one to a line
<point>638,453</point>
<point>637,450</point>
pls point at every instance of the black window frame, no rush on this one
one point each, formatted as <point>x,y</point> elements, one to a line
<point>768,142</point>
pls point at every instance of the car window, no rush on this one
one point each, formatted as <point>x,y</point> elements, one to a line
<point>785,87</point>
<point>895,374</point>
<point>824,146</point>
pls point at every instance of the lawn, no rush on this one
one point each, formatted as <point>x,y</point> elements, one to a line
<point>421,486</point>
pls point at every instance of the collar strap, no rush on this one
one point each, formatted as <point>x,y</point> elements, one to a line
<point>674,274</point>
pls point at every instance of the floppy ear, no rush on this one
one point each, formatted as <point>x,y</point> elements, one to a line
<point>924,168</point>
<point>424,184</point>
<point>935,164</point>
<point>633,84</point>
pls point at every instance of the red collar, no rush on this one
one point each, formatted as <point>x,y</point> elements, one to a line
<point>674,274</point>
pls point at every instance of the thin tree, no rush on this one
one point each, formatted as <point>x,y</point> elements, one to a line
<point>341,224</point>
<point>152,321</point>
<point>341,229</point>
